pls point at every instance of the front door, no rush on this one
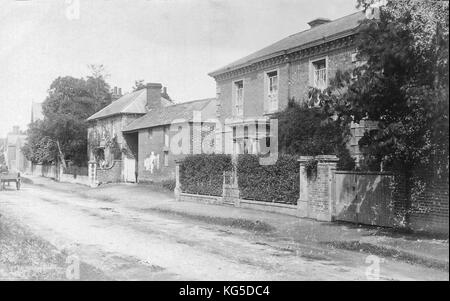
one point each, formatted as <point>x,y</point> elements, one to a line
<point>130,170</point>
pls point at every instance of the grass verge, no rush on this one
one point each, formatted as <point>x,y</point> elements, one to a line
<point>240,223</point>
<point>389,253</point>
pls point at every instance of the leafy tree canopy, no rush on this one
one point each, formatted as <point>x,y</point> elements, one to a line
<point>402,84</point>
<point>309,131</point>
<point>62,135</point>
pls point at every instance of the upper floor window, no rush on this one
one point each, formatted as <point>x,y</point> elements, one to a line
<point>239,97</point>
<point>150,133</point>
<point>166,136</point>
<point>319,74</point>
<point>272,91</point>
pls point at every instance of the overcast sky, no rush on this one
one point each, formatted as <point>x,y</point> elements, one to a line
<point>175,42</point>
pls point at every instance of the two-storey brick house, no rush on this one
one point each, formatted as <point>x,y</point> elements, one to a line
<point>106,143</point>
<point>184,124</point>
<point>252,88</point>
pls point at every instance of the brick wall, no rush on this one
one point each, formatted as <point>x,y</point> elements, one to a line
<point>294,80</point>
<point>152,145</point>
<point>112,174</point>
<point>429,209</point>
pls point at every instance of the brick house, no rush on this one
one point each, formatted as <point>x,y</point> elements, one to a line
<point>116,157</point>
<point>251,89</point>
<point>159,130</point>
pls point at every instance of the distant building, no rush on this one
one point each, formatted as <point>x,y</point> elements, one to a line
<point>36,111</point>
<point>15,160</point>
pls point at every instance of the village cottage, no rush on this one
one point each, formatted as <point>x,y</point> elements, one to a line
<point>166,134</point>
<point>113,157</point>
<point>250,90</point>
<point>14,158</point>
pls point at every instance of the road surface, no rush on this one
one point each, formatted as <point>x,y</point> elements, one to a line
<point>130,244</point>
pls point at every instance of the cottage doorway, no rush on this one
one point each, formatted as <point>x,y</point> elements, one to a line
<point>130,170</point>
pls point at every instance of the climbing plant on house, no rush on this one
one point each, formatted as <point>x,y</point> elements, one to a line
<point>402,84</point>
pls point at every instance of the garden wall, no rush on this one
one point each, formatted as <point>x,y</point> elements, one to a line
<point>325,194</point>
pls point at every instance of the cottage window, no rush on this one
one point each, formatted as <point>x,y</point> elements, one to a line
<point>239,97</point>
<point>166,158</point>
<point>150,133</point>
<point>320,74</point>
<point>272,91</point>
<point>166,136</point>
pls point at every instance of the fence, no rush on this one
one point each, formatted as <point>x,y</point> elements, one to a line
<point>44,170</point>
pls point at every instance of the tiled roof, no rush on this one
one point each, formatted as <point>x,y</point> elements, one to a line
<point>131,103</point>
<point>319,34</point>
<point>166,115</point>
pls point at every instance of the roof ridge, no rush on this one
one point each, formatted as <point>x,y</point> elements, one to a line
<point>311,28</point>
<point>191,101</point>
<point>260,54</point>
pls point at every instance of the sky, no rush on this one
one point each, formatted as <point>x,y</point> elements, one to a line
<point>174,42</point>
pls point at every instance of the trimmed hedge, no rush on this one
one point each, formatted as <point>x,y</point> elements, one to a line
<point>203,174</point>
<point>269,183</point>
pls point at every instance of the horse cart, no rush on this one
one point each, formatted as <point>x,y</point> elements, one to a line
<point>9,178</point>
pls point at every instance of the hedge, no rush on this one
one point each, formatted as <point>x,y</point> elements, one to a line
<point>270,183</point>
<point>203,174</point>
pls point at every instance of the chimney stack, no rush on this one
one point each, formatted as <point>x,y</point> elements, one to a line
<point>153,95</point>
<point>318,22</point>
<point>16,130</point>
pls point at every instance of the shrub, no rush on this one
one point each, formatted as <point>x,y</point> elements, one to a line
<point>270,183</point>
<point>309,131</point>
<point>169,184</point>
<point>203,174</point>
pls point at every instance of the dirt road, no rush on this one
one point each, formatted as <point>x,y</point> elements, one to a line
<point>125,243</point>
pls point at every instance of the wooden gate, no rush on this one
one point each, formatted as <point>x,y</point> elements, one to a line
<point>363,198</point>
<point>129,170</point>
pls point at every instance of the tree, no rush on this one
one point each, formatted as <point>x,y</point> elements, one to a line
<point>311,131</point>
<point>402,85</point>
<point>62,135</point>
<point>138,85</point>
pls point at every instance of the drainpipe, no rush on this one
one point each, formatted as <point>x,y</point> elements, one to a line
<point>289,73</point>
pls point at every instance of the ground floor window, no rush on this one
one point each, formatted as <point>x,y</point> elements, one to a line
<point>166,158</point>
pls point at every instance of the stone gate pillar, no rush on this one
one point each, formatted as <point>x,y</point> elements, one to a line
<point>177,189</point>
<point>316,199</point>
<point>92,173</point>
<point>303,200</point>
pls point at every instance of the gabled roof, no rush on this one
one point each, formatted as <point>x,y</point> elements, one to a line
<point>323,33</point>
<point>166,115</point>
<point>131,103</point>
